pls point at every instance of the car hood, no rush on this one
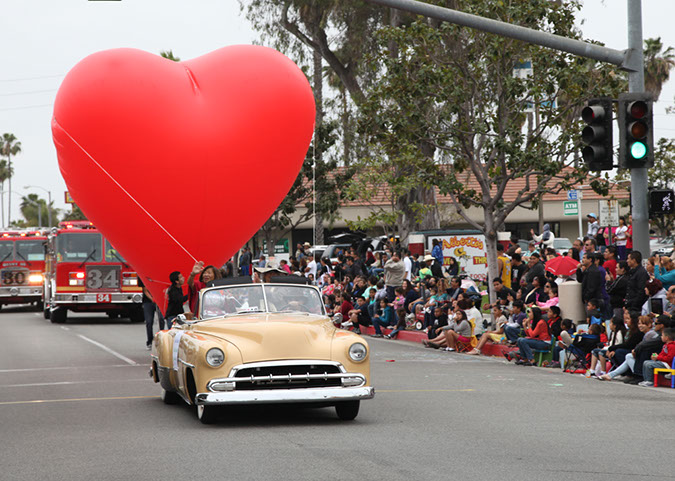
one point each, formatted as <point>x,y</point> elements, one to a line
<point>262,337</point>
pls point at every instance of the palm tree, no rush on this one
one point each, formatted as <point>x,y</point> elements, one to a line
<point>657,65</point>
<point>168,54</point>
<point>8,147</point>
<point>4,175</point>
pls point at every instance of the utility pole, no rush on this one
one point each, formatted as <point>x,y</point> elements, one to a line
<point>638,177</point>
<point>631,60</point>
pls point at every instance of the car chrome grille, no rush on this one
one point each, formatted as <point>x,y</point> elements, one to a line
<point>291,376</point>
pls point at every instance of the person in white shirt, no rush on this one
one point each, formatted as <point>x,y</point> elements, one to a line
<point>408,265</point>
<point>621,239</point>
<point>311,267</point>
<point>593,225</point>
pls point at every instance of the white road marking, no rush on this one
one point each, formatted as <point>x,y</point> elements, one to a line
<point>59,383</point>
<point>60,368</point>
<point>65,328</point>
<point>107,349</point>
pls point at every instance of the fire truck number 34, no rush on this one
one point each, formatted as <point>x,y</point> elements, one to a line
<point>101,298</point>
<point>100,279</point>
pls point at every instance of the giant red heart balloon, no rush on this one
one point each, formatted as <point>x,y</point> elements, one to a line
<point>181,161</point>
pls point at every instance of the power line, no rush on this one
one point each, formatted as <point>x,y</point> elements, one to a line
<point>26,107</point>
<point>30,78</point>
<point>28,92</point>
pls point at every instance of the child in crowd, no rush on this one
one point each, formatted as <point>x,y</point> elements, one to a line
<point>628,365</point>
<point>495,336</point>
<point>514,327</point>
<point>383,318</point>
<point>662,360</point>
<point>598,355</point>
<point>593,312</point>
<point>400,325</point>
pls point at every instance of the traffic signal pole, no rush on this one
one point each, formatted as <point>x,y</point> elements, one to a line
<point>631,60</point>
<point>639,184</point>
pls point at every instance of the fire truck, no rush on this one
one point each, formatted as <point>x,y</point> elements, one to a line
<point>22,265</point>
<point>84,273</point>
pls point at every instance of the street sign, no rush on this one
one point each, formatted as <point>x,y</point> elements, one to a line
<point>570,207</point>
<point>572,195</point>
<point>609,212</point>
<point>69,199</point>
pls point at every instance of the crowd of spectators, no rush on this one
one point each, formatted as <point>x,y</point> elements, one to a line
<point>626,333</point>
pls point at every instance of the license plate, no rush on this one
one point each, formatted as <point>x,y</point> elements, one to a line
<point>103,277</point>
<point>14,277</point>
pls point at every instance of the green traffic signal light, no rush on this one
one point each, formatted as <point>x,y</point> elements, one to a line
<point>638,150</point>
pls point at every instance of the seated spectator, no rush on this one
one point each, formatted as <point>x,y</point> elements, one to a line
<point>537,337</point>
<point>598,355</point>
<point>648,346</point>
<point>593,312</point>
<point>535,292</point>
<point>438,320</point>
<point>383,318</point>
<point>628,365</point>
<point>399,299</point>
<point>656,293</point>
<point>564,340</point>
<point>554,321</point>
<point>495,336</point>
<point>458,326</point>
<point>662,360</point>
<point>455,288</point>
<point>551,290</point>
<point>473,313</point>
<point>400,324</point>
<point>514,327</point>
<point>582,345</point>
<point>617,353</point>
<point>360,316</point>
<point>343,305</point>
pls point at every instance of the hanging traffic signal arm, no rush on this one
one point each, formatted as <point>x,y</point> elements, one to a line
<point>598,151</point>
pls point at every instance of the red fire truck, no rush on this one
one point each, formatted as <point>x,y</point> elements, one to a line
<point>84,273</point>
<point>22,265</point>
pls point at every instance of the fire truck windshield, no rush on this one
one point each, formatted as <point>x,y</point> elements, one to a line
<point>79,247</point>
<point>112,254</point>
<point>6,250</point>
<point>30,250</point>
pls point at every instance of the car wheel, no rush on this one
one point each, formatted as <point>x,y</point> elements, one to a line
<point>347,410</point>
<point>169,397</point>
<point>58,315</point>
<point>46,312</point>
<point>419,325</point>
<point>206,414</point>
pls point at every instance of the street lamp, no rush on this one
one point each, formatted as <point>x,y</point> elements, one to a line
<point>49,208</point>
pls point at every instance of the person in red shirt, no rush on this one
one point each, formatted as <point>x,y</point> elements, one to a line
<point>662,360</point>
<point>208,274</point>
<point>538,337</point>
<point>610,256</point>
<point>343,306</point>
<point>629,235</point>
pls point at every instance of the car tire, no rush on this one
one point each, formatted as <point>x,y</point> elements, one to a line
<point>46,312</point>
<point>347,410</point>
<point>58,315</point>
<point>169,397</point>
<point>419,325</point>
<point>206,414</point>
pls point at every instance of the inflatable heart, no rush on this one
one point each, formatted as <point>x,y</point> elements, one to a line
<point>181,161</point>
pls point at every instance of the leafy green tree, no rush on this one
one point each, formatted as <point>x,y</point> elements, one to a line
<point>9,146</point>
<point>168,54</point>
<point>457,90</point>
<point>341,32</point>
<point>34,210</point>
<point>75,214</point>
<point>5,173</point>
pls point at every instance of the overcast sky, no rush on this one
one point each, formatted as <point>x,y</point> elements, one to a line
<point>43,39</point>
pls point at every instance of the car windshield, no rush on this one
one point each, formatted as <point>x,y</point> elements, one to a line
<point>79,247</point>
<point>231,300</point>
<point>6,250</point>
<point>30,250</point>
<point>112,254</point>
<point>562,243</point>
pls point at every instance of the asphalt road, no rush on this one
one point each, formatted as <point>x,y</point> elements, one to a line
<point>76,403</point>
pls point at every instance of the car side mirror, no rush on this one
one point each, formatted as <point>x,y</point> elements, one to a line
<point>338,317</point>
<point>180,319</point>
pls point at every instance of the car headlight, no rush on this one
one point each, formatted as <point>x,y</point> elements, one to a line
<point>215,357</point>
<point>357,352</point>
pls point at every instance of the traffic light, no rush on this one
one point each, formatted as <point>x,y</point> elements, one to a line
<point>598,152</point>
<point>636,131</point>
<point>661,202</point>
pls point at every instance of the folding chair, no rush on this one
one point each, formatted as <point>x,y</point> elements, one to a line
<point>473,340</point>
<point>664,370</point>
<point>574,354</point>
<point>541,355</point>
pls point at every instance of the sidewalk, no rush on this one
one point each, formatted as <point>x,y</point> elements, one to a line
<point>489,349</point>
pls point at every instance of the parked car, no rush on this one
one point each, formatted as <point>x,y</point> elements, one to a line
<point>662,247</point>
<point>317,251</point>
<point>261,344</point>
<point>332,251</point>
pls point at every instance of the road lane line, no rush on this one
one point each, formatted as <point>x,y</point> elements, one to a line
<point>59,368</point>
<point>424,390</point>
<point>44,401</point>
<point>107,349</point>
<point>60,383</point>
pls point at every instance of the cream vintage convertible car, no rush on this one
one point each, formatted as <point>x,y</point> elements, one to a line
<point>261,343</point>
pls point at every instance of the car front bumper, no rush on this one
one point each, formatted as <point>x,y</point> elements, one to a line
<point>264,396</point>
